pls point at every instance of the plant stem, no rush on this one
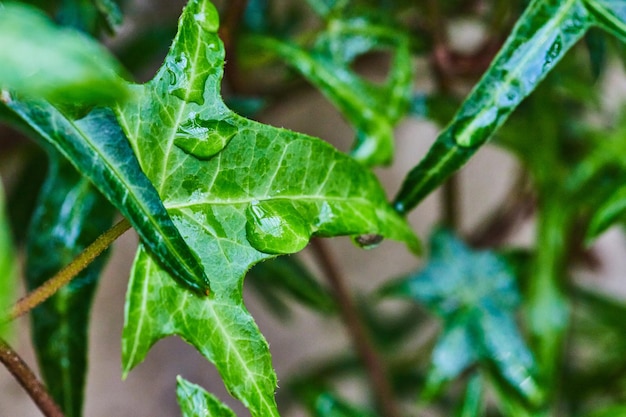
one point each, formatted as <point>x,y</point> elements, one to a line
<point>27,379</point>
<point>228,33</point>
<point>375,369</point>
<point>65,275</point>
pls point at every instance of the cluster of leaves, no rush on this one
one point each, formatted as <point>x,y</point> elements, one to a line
<point>213,194</point>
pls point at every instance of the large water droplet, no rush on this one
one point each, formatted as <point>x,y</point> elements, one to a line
<point>204,138</point>
<point>276,227</point>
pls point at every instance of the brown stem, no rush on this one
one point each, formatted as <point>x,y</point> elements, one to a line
<point>377,373</point>
<point>228,34</point>
<point>65,275</point>
<point>27,379</point>
<point>451,202</point>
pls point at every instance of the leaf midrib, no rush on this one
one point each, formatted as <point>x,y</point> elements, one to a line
<point>465,137</point>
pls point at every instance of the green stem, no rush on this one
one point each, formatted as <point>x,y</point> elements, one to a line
<point>65,275</point>
<point>27,379</point>
<point>547,307</point>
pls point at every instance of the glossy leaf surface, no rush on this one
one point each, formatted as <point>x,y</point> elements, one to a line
<point>543,34</point>
<point>71,214</point>
<point>42,60</point>
<point>8,276</point>
<point>373,109</point>
<point>610,15</point>
<point>194,401</point>
<point>98,148</point>
<point>266,192</point>
<point>476,296</point>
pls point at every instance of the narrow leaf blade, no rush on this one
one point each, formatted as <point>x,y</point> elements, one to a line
<point>8,275</point>
<point>610,15</point>
<point>70,215</point>
<point>99,150</point>
<point>542,35</point>
<point>194,401</point>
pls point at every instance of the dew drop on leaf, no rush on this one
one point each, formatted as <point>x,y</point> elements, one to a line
<point>204,138</point>
<point>276,227</point>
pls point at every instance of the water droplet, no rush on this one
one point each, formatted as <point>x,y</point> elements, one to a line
<point>552,55</point>
<point>276,227</point>
<point>204,138</point>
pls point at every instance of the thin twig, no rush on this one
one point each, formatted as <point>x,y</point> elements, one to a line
<point>65,275</point>
<point>27,379</point>
<point>377,373</point>
<point>228,33</point>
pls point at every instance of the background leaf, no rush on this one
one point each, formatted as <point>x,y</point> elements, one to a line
<point>476,296</point>
<point>542,35</point>
<point>8,275</point>
<point>194,401</point>
<point>373,109</point>
<point>70,215</point>
<point>99,150</point>
<point>239,192</point>
<point>42,60</point>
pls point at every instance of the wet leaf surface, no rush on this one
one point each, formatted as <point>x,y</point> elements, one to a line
<point>265,191</point>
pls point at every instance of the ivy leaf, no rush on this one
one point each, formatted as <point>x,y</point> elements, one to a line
<point>42,60</point>
<point>239,192</point>
<point>8,276</point>
<point>70,215</point>
<point>610,15</point>
<point>98,149</point>
<point>541,37</point>
<point>476,296</point>
<point>371,108</point>
<point>194,401</point>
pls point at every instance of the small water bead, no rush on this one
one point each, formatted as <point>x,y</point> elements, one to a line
<point>204,138</point>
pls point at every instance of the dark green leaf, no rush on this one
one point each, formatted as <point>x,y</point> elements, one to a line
<point>288,275</point>
<point>8,275</point>
<point>372,109</point>
<point>98,149</point>
<point>41,60</point>
<point>544,33</point>
<point>476,296</point>
<point>70,215</point>
<point>194,401</point>
<point>23,197</point>
<point>239,192</point>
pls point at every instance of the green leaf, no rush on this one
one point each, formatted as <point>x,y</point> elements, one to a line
<point>542,35</point>
<point>476,296</point>
<point>8,275</point>
<point>473,402</point>
<point>90,15</point>
<point>194,401</point>
<point>42,60</point>
<point>98,149</point>
<point>371,108</point>
<point>610,15</point>
<point>288,275</point>
<point>610,411</point>
<point>71,214</point>
<point>266,192</point>
<point>322,402</point>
